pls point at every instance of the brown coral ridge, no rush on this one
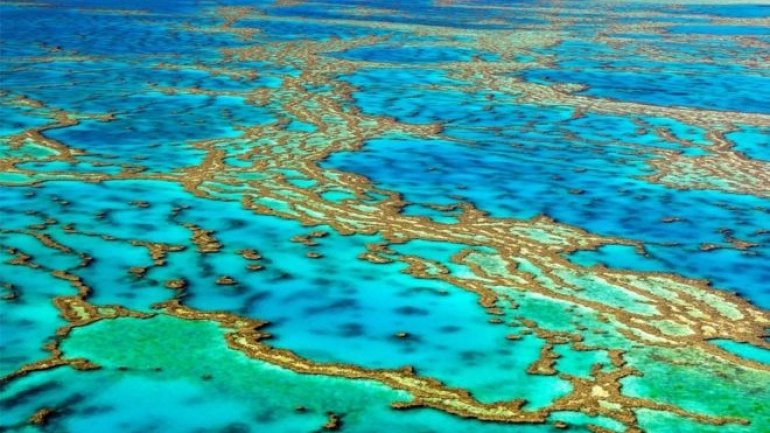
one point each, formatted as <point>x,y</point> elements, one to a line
<point>598,395</point>
<point>667,311</point>
<point>723,168</point>
<point>309,56</point>
<point>42,416</point>
<point>203,239</point>
<point>77,311</point>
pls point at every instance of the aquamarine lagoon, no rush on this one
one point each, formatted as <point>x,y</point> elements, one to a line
<point>524,216</point>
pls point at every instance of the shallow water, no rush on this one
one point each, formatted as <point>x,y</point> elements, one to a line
<point>374,216</point>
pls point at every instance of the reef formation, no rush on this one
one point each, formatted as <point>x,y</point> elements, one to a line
<point>385,216</point>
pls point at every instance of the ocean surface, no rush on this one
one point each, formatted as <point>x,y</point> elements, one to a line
<point>384,216</point>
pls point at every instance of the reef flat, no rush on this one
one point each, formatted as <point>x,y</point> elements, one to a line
<point>381,216</point>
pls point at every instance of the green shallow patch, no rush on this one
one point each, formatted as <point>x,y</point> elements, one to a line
<point>716,387</point>
<point>196,351</point>
<point>664,422</point>
<point>175,357</point>
<point>193,356</point>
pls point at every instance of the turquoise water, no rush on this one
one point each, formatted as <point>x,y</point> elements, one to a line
<point>744,350</point>
<point>612,200</point>
<point>510,216</point>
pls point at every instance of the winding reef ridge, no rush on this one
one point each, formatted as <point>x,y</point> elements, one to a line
<point>385,216</point>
